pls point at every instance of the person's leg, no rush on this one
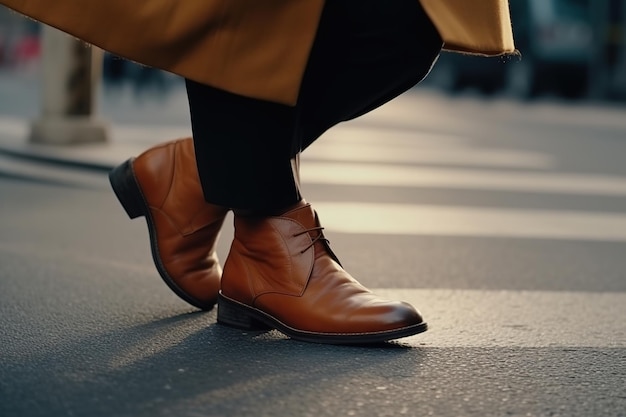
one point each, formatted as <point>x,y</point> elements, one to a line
<point>280,272</point>
<point>366,53</point>
<point>243,149</point>
<point>247,147</point>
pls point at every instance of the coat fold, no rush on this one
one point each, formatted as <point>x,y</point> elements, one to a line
<point>254,48</point>
<point>473,26</point>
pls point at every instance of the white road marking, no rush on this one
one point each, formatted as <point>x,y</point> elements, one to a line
<point>472,179</point>
<point>356,143</point>
<point>406,219</point>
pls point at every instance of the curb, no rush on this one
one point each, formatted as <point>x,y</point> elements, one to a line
<point>56,160</point>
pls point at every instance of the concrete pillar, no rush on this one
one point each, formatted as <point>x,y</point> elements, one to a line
<point>71,71</point>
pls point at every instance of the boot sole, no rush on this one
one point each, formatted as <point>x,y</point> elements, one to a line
<point>128,192</point>
<point>235,314</point>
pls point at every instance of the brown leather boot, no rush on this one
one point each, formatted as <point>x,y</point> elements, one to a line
<point>280,273</point>
<point>162,184</point>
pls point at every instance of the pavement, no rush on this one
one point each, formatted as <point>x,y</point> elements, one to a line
<point>136,120</point>
<point>504,222</point>
<point>123,143</point>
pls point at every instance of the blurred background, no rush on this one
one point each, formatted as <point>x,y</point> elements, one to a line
<point>570,48</point>
<point>574,49</point>
<point>21,49</point>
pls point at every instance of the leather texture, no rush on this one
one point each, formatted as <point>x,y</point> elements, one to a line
<point>184,228</point>
<point>283,267</point>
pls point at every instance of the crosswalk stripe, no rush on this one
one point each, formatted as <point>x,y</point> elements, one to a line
<point>366,144</point>
<point>492,157</point>
<point>478,318</point>
<point>313,172</point>
<point>407,219</point>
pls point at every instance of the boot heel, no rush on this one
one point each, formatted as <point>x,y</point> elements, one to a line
<point>127,190</point>
<point>231,314</point>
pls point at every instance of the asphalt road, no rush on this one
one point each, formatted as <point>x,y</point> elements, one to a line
<point>505,223</point>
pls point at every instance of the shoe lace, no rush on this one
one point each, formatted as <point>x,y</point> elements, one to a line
<point>318,238</point>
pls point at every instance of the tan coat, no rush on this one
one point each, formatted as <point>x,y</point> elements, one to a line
<point>473,26</point>
<point>255,48</point>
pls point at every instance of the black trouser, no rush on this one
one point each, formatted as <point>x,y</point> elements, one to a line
<point>366,52</point>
